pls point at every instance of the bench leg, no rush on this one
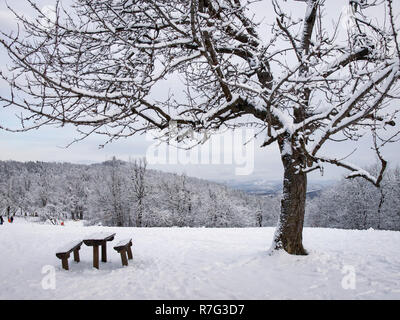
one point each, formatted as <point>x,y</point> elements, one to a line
<point>129,251</point>
<point>64,262</point>
<point>96,257</point>
<point>123,258</point>
<point>104,252</point>
<point>76,255</point>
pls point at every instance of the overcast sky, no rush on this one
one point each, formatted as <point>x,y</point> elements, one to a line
<point>48,144</point>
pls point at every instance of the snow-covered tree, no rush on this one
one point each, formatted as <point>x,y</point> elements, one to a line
<point>389,210</point>
<point>178,200</point>
<point>76,193</point>
<point>357,204</point>
<point>97,64</point>
<point>117,196</point>
<point>138,186</point>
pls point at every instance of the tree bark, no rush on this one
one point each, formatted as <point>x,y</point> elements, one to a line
<point>289,231</point>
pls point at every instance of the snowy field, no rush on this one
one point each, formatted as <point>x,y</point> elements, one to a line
<point>183,263</point>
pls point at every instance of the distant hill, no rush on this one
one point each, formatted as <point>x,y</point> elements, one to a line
<point>264,187</point>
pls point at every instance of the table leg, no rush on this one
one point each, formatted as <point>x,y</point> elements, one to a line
<point>104,251</point>
<point>64,262</point>
<point>95,256</point>
<point>76,255</point>
<point>124,260</point>
<point>129,251</point>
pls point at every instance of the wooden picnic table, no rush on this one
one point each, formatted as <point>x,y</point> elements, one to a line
<point>99,239</point>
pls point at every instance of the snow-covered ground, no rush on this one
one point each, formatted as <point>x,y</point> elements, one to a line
<point>184,263</point>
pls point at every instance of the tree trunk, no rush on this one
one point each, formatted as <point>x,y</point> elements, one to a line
<point>139,215</point>
<point>289,232</point>
<point>139,219</point>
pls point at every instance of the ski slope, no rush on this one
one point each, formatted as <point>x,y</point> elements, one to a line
<point>185,263</point>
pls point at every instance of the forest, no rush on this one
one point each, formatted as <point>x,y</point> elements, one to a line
<point>357,204</point>
<point>126,194</point>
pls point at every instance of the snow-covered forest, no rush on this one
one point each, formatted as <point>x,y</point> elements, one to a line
<point>116,193</point>
<point>357,204</point>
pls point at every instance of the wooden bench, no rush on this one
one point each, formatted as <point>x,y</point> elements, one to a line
<point>64,253</point>
<point>124,248</point>
<point>96,240</point>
